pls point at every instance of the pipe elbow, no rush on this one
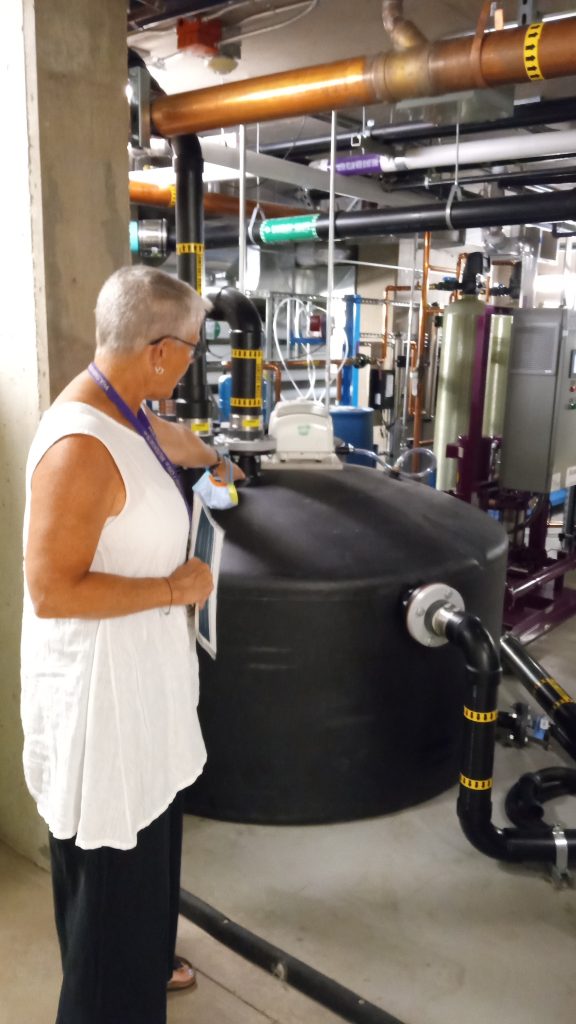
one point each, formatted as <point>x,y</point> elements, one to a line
<point>238,310</point>
<point>468,633</point>
<point>402,32</point>
<point>485,837</point>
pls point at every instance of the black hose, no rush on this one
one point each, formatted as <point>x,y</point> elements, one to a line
<point>287,968</point>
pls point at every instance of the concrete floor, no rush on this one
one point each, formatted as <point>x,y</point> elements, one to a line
<point>400,909</point>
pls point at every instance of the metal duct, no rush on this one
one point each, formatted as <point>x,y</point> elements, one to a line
<point>546,50</point>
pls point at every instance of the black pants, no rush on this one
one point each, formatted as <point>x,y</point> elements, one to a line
<point>116,917</point>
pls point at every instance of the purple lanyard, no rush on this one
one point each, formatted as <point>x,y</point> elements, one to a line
<point>141,423</point>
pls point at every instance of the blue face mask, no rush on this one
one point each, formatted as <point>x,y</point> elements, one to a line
<point>214,493</point>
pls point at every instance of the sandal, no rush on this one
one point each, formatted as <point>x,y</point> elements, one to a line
<point>180,964</point>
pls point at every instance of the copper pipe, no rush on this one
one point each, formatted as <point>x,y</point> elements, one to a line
<point>218,203</point>
<point>387,302</point>
<point>277,371</point>
<point>403,33</point>
<point>214,202</point>
<point>151,195</point>
<point>421,341</point>
<point>436,68</point>
<point>287,94</point>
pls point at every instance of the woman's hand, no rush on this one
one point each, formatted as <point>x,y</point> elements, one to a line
<point>192,583</point>
<point>222,471</point>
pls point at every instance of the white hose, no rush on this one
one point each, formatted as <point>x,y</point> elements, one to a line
<point>396,469</point>
<point>301,309</point>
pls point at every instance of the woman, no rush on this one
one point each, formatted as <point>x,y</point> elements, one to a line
<point>109,672</point>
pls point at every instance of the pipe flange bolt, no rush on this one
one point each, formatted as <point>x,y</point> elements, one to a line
<point>422,605</point>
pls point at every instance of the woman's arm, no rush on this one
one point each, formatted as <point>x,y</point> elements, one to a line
<point>75,488</point>
<point>184,448</point>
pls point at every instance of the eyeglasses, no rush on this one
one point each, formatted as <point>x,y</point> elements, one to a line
<point>196,346</point>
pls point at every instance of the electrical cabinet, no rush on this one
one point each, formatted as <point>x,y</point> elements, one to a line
<point>539,437</point>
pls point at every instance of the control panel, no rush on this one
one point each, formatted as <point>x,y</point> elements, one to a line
<point>539,437</point>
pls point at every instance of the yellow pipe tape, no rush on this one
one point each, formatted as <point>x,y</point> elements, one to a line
<point>531,45</point>
<point>247,353</point>
<point>480,716</point>
<point>193,249</point>
<point>565,698</point>
<point>245,403</point>
<point>172,195</point>
<point>476,784</point>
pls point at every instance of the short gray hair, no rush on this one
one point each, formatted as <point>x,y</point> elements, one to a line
<point>138,304</point>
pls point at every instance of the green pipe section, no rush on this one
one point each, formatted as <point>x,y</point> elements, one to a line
<point>288,229</point>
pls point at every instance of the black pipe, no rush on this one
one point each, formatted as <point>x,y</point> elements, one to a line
<point>299,975</point>
<point>534,209</point>
<point>525,799</point>
<point>193,396</point>
<point>525,114</point>
<point>558,705</point>
<point>142,14</point>
<point>483,673</point>
<point>514,179</point>
<point>552,206</point>
<point>246,421</point>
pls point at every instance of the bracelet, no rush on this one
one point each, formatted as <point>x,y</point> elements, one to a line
<point>171,596</point>
<point>219,462</point>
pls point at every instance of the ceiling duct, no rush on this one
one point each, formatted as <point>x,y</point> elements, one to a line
<point>506,57</point>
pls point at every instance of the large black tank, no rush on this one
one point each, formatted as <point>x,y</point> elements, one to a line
<point>319,706</point>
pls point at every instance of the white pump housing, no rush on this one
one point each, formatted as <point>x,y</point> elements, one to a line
<point>304,435</point>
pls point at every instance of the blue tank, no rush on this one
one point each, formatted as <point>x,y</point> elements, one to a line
<point>355,425</point>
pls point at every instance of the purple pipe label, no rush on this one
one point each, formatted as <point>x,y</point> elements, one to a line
<point>364,163</point>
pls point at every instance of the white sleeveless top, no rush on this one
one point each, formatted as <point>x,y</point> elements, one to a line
<point>111,731</point>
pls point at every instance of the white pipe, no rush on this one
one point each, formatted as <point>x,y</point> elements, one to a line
<point>483,151</point>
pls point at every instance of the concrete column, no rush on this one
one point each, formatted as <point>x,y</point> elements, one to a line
<point>65,224</point>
